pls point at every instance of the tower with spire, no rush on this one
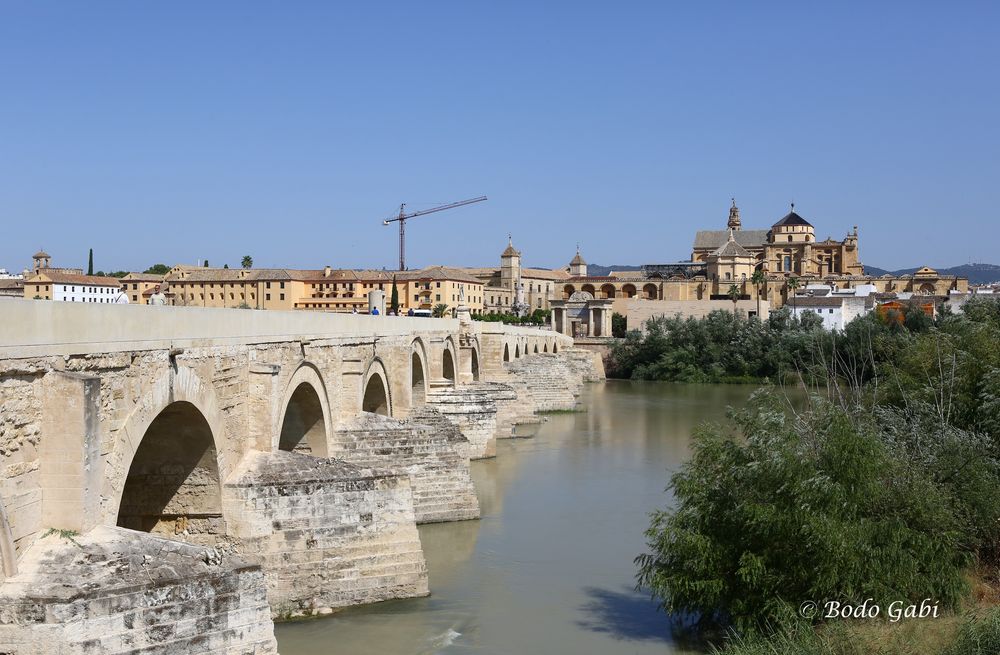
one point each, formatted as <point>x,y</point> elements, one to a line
<point>510,266</point>
<point>734,216</point>
<point>578,267</point>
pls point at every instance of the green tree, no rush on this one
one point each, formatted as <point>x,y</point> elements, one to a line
<point>90,262</point>
<point>619,325</point>
<point>793,284</point>
<point>817,506</point>
<point>247,261</point>
<point>394,297</point>
<point>734,294</point>
<point>439,310</point>
<point>158,269</point>
<point>206,263</point>
<point>757,279</point>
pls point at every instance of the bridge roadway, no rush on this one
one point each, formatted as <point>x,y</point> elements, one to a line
<point>175,478</point>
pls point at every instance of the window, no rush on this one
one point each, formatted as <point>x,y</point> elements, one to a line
<point>789,237</point>
<point>282,285</point>
<point>268,286</point>
<point>438,297</point>
<point>282,296</point>
<point>438,286</point>
<point>267,296</point>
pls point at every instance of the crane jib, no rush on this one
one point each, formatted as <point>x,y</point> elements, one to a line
<point>401,219</point>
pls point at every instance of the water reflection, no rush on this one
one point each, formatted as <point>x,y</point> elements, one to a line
<point>548,569</point>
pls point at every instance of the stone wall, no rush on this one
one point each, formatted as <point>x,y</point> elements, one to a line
<point>330,534</point>
<point>142,594</point>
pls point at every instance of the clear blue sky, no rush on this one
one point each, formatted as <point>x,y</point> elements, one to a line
<point>175,131</point>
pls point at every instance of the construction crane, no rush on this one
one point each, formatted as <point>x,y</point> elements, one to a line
<point>402,217</point>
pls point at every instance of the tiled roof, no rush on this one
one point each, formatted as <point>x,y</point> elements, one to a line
<point>791,218</point>
<point>818,301</point>
<point>544,273</point>
<point>704,239</point>
<point>143,277</point>
<point>731,249</point>
<point>57,277</point>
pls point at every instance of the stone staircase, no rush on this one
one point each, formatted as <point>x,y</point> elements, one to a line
<point>548,381</point>
<point>428,448</point>
<point>473,410</point>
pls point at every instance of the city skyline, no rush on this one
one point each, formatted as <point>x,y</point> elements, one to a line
<point>169,135</point>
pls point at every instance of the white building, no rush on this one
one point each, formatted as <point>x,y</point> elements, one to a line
<point>50,284</point>
<point>835,310</point>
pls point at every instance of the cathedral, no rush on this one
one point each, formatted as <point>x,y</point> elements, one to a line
<point>788,248</point>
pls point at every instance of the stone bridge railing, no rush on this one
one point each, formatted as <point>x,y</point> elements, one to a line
<point>292,454</point>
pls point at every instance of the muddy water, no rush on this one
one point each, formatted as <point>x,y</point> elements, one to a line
<point>548,568</point>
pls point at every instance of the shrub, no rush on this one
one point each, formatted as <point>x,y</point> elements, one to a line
<point>815,507</point>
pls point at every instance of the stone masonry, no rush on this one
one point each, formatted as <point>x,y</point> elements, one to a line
<point>269,464</point>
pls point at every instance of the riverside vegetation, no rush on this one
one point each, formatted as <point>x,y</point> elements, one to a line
<point>883,486</point>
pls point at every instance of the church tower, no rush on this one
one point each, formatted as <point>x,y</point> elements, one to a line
<point>734,217</point>
<point>578,267</point>
<point>510,266</point>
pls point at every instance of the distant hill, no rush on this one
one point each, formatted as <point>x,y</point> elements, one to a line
<point>977,273</point>
<point>597,269</point>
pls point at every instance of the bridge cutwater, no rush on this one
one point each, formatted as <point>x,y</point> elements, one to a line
<point>176,479</point>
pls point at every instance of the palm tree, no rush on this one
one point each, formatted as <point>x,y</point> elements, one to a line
<point>793,284</point>
<point>757,279</point>
<point>247,261</point>
<point>439,310</point>
<point>734,294</point>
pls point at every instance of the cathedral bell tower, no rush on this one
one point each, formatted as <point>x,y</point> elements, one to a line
<point>734,217</point>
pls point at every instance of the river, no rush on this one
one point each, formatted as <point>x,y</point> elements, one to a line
<point>548,568</point>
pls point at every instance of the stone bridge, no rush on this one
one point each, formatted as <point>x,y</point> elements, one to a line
<point>172,479</point>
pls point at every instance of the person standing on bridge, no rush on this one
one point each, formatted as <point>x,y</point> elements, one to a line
<point>157,297</point>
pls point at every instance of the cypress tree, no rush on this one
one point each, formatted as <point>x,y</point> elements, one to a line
<point>90,262</point>
<point>394,298</point>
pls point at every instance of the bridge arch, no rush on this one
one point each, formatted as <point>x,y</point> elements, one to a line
<point>305,423</point>
<point>474,357</point>
<point>506,352</point>
<point>517,351</point>
<point>545,347</point>
<point>202,408</point>
<point>449,361</point>
<point>419,375</point>
<point>536,349</point>
<point>174,484</point>
<point>375,395</point>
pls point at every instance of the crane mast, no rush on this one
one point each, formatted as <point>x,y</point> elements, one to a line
<point>402,217</point>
